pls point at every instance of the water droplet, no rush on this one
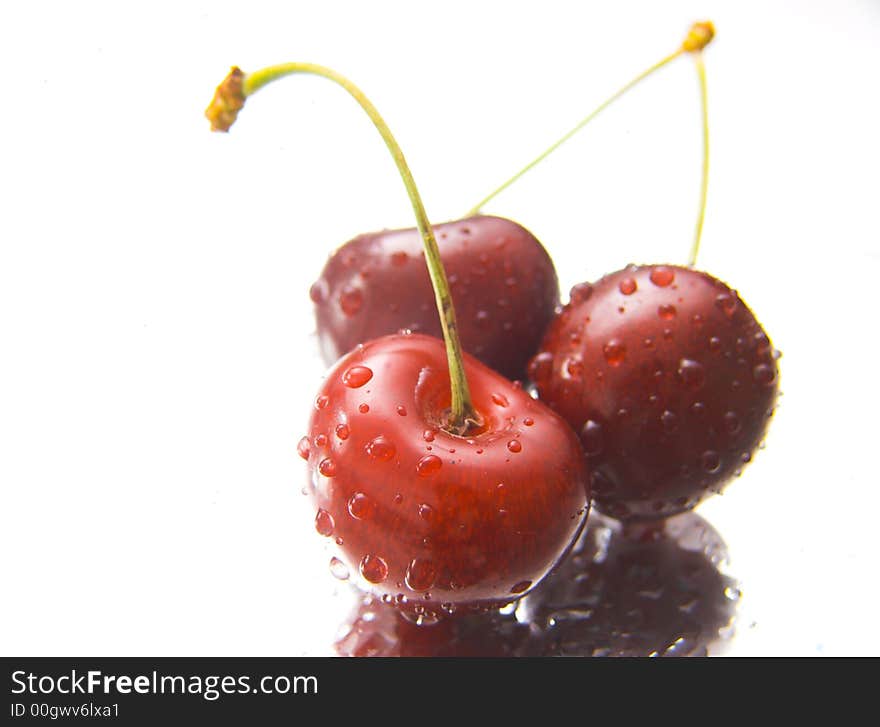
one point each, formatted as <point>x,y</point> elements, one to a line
<point>401,409</point>
<point>351,300</point>
<point>381,448</point>
<point>338,569</point>
<point>420,574</point>
<point>426,512</point>
<point>342,431</point>
<point>528,421</point>
<point>321,441</point>
<point>580,292</point>
<point>615,352</point>
<point>482,317</point>
<point>428,435</point>
<point>398,499</point>
<point>666,311</point>
<point>500,399</point>
<point>732,423</point>
<point>691,373</point>
<point>303,448</point>
<point>592,438</point>
<point>726,303</point>
<point>697,320</point>
<point>324,523</point>
<point>514,446</point>
<point>360,506</point>
<point>364,408</point>
<point>628,286</point>
<point>764,374</point>
<point>711,461</point>
<point>520,587</point>
<point>399,257</point>
<point>327,467</point>
<point>428,465</point>
<point>541,367</point>
<point>573,367</point>
<point>662,276</point>
<point>669,421</point>
<point>714,344</point>
<point>373,568</point>
<point>318,291</point>
<point>357,376</point>
<point>322,401</point>
<point>648,342</point>
<point>698,408</point>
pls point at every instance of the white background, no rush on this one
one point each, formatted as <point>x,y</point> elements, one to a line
<point>156,354</point>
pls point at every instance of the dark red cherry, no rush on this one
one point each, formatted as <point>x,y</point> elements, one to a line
<point>425,518</point>
<point>669,380</point>
<point>502,281</point>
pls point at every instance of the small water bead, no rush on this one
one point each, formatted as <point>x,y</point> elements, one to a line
<point>592,438</point>
<point>520,587</point>
<point>426,512</point>
<point>666,311</point>
<point>698,408</point>
<point>628,286</point>
<point>732,423</point>
<point>321,441</point>
<point>528,421</point>
<point>711,461</point>
<point>428,465</point>
<point>318,291</point>
<point>351,300</point>
<point>401,410</point>
<point>420,574</point>
<point>541,367</point>
<point>398,499</point>
<point>374,569</point>
<point>327,467</point>
<point>714,344</point>
<point>342,431</point>
<point>322,401</point>
<point>500,400</point>
<point>514,446</point>
<point>428,435</point>
<point>357,376</point>
<point>648,342</point>
<point>697,320</point>
<point>615,352</point>
<point>669,421</point>
<point>324,523</point>
<point>662,276</point>
<point>399,258</point>
<point>580,292</point>
<point>726,303</point>
<point>764,374</point>
<point>338,569</point>
<point>303,448</point>
<point>482,317</point>
<point>360,506</point>
<point>691,373</point>
<point>364,408</point>
<point>381,448</point>
<point>573,367</point>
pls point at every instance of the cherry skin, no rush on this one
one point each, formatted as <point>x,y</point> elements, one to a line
<point>669,380</point>
<point>430,520</point>
<point>502,281</point>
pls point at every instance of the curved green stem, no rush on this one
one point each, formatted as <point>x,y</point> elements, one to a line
<point>704,182</point>
<point>222,112</point>
<point>581,124</point>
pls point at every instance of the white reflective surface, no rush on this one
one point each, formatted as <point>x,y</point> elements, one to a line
<point>158,361</point>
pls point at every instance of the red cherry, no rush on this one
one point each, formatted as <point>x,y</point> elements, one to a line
<point>669,380</point>
<point>428,518</point>
<point>502,281</point>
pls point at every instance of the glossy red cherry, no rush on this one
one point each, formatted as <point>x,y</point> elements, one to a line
<point>431,520</point>
<point>502,281</point>
<point>669,380</point>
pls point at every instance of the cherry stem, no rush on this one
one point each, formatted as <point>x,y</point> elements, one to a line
<point>222,112</point>
<point>699,36</point>
<point>704,181</point>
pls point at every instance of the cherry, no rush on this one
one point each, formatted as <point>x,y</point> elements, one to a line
<point>502,281</point>
<point>667,376</point>
<point>441,483</point>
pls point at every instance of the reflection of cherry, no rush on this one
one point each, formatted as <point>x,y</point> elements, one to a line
<point>501,279</point>
<point>654,592</point>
